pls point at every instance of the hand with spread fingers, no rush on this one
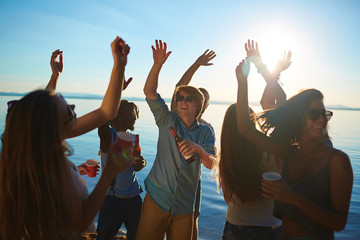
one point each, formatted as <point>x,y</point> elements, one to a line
<point>160,53</point>
<point>205,58</point>
<point>253,53</point>
<point>283,63</point>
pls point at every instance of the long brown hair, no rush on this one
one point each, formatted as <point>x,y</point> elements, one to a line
<point>285,123</point>
<point>35,178</point>
<point>238,169</point>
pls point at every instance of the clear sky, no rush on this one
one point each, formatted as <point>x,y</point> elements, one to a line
<point>323,35</point>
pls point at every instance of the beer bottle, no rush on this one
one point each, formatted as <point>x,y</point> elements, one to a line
<point>178,139</point>
<point>137,148</point>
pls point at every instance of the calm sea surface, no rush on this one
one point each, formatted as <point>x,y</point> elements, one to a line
<point>344,128</point>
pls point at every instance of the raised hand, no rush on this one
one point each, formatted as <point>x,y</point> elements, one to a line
<point>126,83</point>
<point>56,66</point>
<point>242,70</point>
<point>283,63</point>
<point>205,58</point>
<point>159,52</point>
<point>253,53</point>
<point>120,51</point>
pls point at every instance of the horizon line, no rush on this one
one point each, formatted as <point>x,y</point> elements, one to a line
<point>99,97</point>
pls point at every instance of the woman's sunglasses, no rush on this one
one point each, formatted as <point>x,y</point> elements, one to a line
<point>71,112</point>
<point>180,98</point>
<point>314,114</point>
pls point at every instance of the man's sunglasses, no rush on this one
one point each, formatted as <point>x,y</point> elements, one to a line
<point>180,98</point>
<point>71,112</point>
<point>314,114</point>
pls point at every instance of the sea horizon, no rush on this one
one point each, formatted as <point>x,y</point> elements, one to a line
<point>93,96</point>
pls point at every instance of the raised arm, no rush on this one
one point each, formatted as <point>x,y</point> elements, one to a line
<point>110,104</point>
<point>244,125</point>
<point>56,68</point>
<point>160,55</point>
<point>273,93</point>
<point>203,60</point>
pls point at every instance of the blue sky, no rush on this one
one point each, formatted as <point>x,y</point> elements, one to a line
<point>324,37</point>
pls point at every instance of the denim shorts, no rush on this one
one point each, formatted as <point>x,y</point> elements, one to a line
<point>235,232</point>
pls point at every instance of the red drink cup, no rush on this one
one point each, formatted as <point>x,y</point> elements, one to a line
<point>92,167</point>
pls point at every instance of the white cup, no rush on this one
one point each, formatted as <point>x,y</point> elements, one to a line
<point>271,176</point>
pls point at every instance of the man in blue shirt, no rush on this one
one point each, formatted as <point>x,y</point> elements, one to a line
<point>171,184</point>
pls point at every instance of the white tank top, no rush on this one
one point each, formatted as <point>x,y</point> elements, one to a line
<point>258,213</point>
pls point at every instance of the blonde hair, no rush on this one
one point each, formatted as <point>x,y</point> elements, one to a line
<point>36,190</point>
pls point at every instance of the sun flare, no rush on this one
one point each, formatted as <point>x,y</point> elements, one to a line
<point>273,43</point>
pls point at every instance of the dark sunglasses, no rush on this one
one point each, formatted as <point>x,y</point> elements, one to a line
<point>180,98</point>
<point>71,112</point>
<point>314,114</point>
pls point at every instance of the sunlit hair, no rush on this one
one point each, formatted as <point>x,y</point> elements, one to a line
<point>194,92</point>
<point>286,122</point>
<point>125,116</point>
<point>206,99</point>
<point>239,165</point>
<point>35,179</point>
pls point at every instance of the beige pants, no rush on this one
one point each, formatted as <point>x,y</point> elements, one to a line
<point>154,223</point>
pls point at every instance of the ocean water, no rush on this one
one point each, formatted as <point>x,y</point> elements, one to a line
<point>344,128</point>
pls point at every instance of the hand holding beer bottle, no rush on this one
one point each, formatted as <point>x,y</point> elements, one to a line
<point>188,157</point>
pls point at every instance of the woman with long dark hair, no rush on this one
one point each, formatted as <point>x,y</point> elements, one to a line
<point>313,196</point>
<point>38,198</point>
<point>249,215</point>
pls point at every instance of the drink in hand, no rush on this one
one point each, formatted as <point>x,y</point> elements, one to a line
<point>178,139</point>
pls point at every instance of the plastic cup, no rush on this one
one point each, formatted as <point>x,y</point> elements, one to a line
<point>92,166</point>
<point>271,176</point>
<point>123,140</point>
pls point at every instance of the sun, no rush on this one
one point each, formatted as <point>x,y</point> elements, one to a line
<point>273,43</point>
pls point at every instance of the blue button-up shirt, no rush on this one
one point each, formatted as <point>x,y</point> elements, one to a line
<point>172,181</point>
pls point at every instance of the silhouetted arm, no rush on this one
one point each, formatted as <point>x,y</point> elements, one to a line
<point>111,102</point>
<point>203,60</point>
<point>56,68</point>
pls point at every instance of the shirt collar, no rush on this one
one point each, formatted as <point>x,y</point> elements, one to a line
<point>193,126</point>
